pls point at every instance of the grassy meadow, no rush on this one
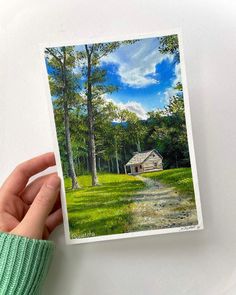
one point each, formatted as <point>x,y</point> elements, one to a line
<point>101,210</point>
<point>179,178</point>
<point>107,208</point>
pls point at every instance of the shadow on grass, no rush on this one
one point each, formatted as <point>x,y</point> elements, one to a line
<point>107,208</point>
<point>103,209</point>
<point>100,188</point>
<point>98,205</point>
<point>115,224</point>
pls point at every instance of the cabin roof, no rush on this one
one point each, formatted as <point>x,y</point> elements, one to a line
<point>139,158</point>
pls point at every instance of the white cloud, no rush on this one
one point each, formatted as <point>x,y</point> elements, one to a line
<point>177,74</point>
<point>132,106</point>
<point>168,93</point>
<point>137,62</point>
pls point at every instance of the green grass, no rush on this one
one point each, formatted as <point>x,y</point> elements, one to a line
<point>101,210</point>
<point>107,209</point>
<point>179,178</point>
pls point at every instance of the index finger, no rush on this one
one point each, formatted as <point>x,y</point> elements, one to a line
<point>20,176</point>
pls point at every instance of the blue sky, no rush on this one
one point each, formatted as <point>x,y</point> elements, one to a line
<point>151,96</point>
<point>145,77</point>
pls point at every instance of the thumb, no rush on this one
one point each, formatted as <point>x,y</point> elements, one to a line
<point>34,221</point>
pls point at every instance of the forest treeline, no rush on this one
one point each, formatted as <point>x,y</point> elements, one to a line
<point>94,134</point>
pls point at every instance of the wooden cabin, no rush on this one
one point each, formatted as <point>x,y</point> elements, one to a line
<point>147,161</point>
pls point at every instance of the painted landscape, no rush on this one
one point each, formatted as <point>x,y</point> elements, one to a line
<point>121,129</point>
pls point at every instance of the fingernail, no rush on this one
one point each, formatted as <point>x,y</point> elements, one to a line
<point>53,183</point>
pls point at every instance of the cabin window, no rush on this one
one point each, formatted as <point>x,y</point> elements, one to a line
<point>155,164</point>
<point>153,155</point>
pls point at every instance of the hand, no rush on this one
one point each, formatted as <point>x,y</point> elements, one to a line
<point>32,210</point>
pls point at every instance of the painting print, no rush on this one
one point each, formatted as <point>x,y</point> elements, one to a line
<point>124,138</point>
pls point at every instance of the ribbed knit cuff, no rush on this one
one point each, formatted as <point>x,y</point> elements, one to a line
<point>24,264</point>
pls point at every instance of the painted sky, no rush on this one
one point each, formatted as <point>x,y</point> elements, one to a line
<point>145,77</point>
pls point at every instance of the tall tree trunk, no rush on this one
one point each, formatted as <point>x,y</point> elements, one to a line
<point>87,163</point>
<point>125,169</point>
<point>75,184</point>
<point>79,163</point>
<point>138,145</point>
<point>89,159</point>
<point>125,155</point>
<point>73,177</point>
<point>112,166</point>
<point>176,161</point>
<point>117,162</point>
<point>109,166</point>
<point>99,164</point>
<point>90,121</point>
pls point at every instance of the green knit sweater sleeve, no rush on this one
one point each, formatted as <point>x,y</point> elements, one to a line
<point>24,264</point>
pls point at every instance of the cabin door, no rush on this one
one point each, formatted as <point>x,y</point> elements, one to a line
<point>136,169</point>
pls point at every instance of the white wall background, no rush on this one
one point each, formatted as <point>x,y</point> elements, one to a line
<point>196,263</point>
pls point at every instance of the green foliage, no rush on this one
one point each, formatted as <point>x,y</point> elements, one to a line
<point>168,133</point>
<point>118,133</point>
<point>169,44</point>
<point>101,210</point>
<point>62,76</point>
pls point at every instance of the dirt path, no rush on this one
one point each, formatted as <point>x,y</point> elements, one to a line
<point>158,206</point>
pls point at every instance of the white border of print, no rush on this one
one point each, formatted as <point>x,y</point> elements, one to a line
<point>199,226</point>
